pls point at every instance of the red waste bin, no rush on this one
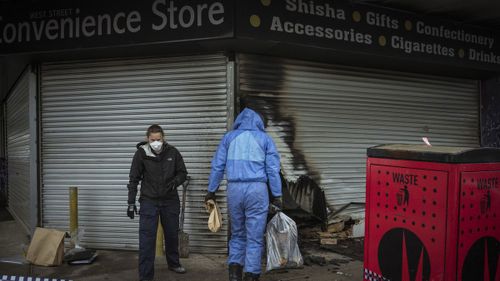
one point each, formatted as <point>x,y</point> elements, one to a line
<point>432,214</point>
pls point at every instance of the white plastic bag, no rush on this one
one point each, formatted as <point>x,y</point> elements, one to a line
<point>282,248</point>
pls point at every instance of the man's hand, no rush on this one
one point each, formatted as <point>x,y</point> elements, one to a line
<point>210,195</point>
<point>276,205</point>
<point>278,202</point>
<point>131,211</point>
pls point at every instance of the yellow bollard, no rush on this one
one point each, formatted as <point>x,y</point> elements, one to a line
<point>73,214</point>
<point>159,240</point>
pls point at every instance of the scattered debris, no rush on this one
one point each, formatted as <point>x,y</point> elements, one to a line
<point>340,228</point>
<point>337,237</point>
<point>328,241</point>
<point>336,227</point>
<point>344,274</point>
<point>80,256</point>
<point>313,259</point>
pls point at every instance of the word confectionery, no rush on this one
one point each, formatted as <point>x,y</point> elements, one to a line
<point>454,34</point>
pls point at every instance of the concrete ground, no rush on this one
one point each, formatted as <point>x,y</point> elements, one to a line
<point>122,265</point>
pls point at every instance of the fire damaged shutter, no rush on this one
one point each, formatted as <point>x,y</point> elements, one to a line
<point>93,115</point>
<point>324,117</point>
<point>21,151</point>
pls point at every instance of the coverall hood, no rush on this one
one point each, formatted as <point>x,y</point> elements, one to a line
<point>248,120</point>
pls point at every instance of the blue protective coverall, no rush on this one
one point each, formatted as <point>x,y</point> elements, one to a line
<point>251,161</point>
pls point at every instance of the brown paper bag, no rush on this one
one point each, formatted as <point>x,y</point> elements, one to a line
<point>46,247</point>
<point>215,217</point>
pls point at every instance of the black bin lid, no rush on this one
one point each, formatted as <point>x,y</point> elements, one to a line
<point>444,154</point>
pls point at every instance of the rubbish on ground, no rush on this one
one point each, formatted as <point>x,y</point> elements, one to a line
<point>313,259</point>
<point>338,235</point>
<point>339,228</point>
<point>80,256</point>
<point>344,274</point>
<point>46,247</point>
<point>336,227</point>
<point>328,241</point>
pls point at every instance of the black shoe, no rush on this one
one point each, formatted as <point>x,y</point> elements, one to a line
<point>179,269</point>
<point>251,276</point>
<point>235,272</point>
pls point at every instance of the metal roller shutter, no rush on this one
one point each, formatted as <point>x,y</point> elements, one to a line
<point>323,117</point>
<point>94,114</point>
<point>21,137</point>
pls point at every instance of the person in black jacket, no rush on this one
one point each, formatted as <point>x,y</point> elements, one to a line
<point>159,168</point>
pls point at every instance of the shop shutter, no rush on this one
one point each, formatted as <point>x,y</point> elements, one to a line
<point>323,117</point>
<point>93,115</point>
<point>20,125</point>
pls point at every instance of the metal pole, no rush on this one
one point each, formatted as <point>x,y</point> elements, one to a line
<point>73,214</point>
<point>159,240</point>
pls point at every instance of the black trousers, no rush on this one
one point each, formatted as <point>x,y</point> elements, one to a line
<point>148,225</point>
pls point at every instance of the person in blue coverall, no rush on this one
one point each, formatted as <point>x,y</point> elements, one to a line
<point>251,161</point>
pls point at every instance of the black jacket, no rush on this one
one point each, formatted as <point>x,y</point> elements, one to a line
<point>159,174</point>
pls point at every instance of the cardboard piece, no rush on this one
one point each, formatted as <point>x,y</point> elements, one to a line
<point>46,247</point>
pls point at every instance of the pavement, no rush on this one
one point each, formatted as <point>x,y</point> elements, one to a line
<point>122,265</point>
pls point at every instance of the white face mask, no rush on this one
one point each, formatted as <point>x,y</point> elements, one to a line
<point>156,145</point>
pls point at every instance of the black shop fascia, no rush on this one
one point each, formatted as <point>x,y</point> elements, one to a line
<point>318,30</point>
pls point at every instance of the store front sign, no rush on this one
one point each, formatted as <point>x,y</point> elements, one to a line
<point>334,25</point>
<point>342,26</point>
<point>57,25</point>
